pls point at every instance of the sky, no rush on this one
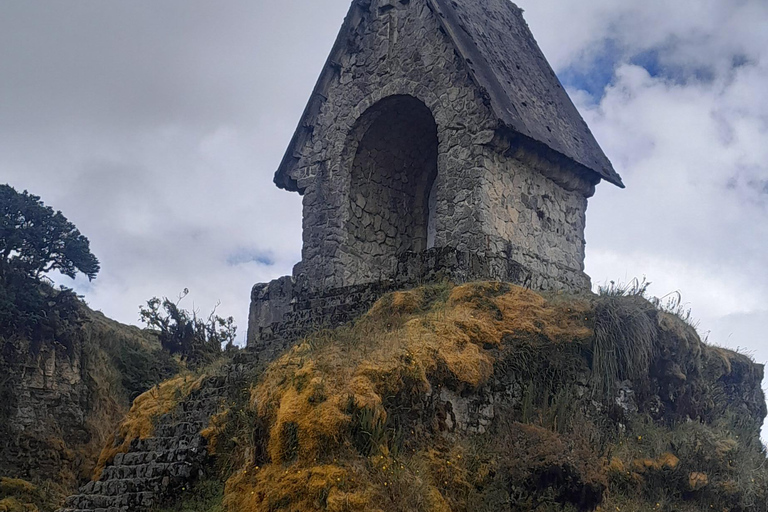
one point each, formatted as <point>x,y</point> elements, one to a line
<point>156,126</point>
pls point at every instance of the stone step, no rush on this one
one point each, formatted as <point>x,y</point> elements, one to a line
<point>145,497</point>
<point>136,480</point>
<point>165,444</point>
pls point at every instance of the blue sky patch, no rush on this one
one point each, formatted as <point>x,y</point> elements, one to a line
<point>243,256</point>
<point>649,60</point>
<point>597,68</point>
<point>740,60</point>
<point>595,72</point>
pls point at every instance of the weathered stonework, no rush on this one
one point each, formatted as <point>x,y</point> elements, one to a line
<point>160,466</point>
<point>411,143</point>
<point>392,173</point>
<point>286,309</point>
<point>61,397</point>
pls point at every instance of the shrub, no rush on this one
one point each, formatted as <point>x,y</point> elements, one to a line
<point>38,312</point>
<point>139,369</point>
<point>181,332</point>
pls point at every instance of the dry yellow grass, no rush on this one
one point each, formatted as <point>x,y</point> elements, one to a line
<point>301,487</point>
<point>348,420</point>
<point>15,486</point>
<point>406,343</point>
<point>697,480</point>
<point>213,431</point>
<point>15,495</point>
<point>13,505</point>
<point>139,423</point>
<point>665,461</point>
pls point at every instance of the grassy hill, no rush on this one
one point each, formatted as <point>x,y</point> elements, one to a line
<point>488,397</point>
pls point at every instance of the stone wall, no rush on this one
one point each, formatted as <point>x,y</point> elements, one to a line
<point>405,154</point>
<point>392,173</point>
<point>399,51</point>
<point>535,221</point>
<point>286,309</point>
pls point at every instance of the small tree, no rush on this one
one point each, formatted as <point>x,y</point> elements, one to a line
<point>35,240</point>
<point>184,333</point>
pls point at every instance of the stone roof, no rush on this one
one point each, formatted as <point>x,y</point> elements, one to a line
<point>505,60</point>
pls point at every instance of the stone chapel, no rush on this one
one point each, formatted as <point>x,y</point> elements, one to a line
<point>437,144</point>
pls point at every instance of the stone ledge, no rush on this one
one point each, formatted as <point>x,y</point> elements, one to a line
<point>290,307</point>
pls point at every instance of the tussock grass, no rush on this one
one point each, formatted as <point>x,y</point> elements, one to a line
<point>351,419</point>
<point>339,408</point>
<point>685,466</point>
<point>15,486</point>
<point>17,495</point>
<point>625,341</point>
<point>14,505</point>
<point>216,427</point>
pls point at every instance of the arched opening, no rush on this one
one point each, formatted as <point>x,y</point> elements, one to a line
<point>392,193</point>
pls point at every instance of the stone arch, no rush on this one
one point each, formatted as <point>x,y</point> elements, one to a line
<point>392,157</point>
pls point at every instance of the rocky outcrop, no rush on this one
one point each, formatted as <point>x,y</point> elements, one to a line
<point>490,397</point>
<point>48,400</point>
<point>62,403</point>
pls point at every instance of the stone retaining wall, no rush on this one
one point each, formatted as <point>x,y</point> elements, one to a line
<point>288,308</point>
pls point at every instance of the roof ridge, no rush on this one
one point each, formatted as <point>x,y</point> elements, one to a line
<point>530,100</point>
<point>502,102</point>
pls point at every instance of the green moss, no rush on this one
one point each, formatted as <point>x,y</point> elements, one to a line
<point>205,496</point>
<point>139,368</point>
<point>17,495</point>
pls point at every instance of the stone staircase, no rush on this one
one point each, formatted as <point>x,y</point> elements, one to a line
<point>158,467</point>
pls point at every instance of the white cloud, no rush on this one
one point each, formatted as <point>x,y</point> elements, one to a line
<point>684,118</point>
<point>691,32</point>
<point>688,134</point>
<point>156,127</point>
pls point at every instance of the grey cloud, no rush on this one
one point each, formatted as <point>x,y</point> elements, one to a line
<point>759,186</point>
<point>693,216</point>
<point>156,127</point>
<point>144,63</point>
